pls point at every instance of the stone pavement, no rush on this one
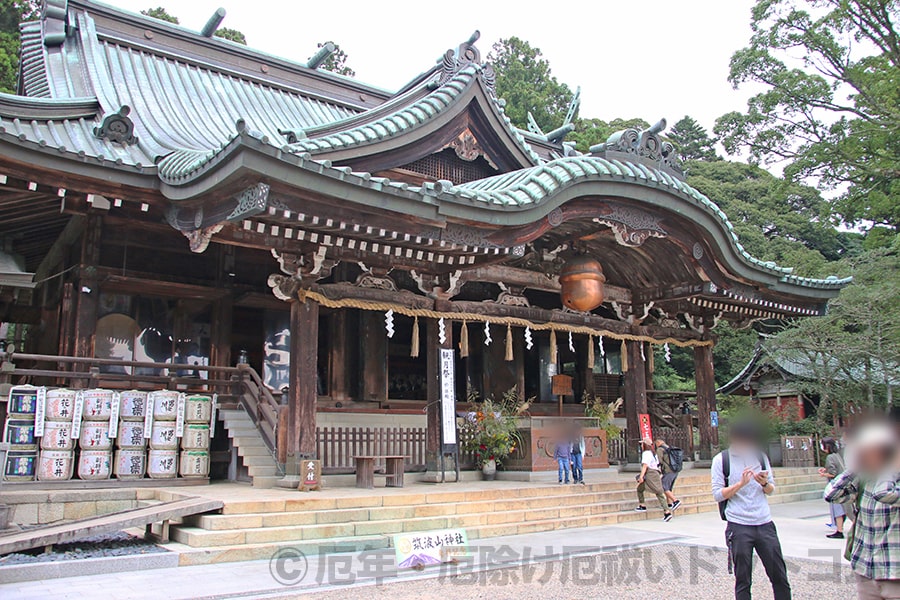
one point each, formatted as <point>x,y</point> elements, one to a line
<point>802,527</point>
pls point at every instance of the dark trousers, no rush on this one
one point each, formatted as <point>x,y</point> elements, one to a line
<point>742,541</point>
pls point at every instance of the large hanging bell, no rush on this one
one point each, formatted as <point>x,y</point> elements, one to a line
<point>581,281</point>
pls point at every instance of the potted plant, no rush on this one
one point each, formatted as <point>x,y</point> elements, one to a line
<point>491,432</point>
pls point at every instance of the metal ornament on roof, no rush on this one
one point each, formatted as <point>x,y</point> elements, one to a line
<point>117,127</point>
<point>642,146</point>
<point>465,54</point>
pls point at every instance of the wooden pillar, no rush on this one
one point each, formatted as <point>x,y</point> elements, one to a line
<point>302,393</point>
<point>87,289</point>
<point>373,357</point>
<point>222,323</point>
<point>704,377</point>
<point>433,391</point>
<point>635,398</point>
<point>340,356</point>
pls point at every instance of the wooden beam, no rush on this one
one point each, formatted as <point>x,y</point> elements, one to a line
<point>57,252</point>
<point>534,280</point>
<point>87,290</point>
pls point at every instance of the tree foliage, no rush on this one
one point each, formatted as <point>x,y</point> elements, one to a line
<point>525,82</point>
<point>160,13</point>
<point>692,140</point>
<point>12,12</point>
<point>830,108</point>
<point>337,62</point>
<point>234,35</point>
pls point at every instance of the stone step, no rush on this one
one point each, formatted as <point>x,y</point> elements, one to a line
<point>260,450</point>
<point>188,556</point>
<point>265,481</point>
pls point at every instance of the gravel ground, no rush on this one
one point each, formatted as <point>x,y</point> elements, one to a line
<point>111,544</point>
<point>668,571</point>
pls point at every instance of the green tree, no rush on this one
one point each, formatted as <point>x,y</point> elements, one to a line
<point>526,83</point>
<point>160,13</point>
<point>830,108</point>
<point>692,140</point>
<point>12,12</point>
<point>337,62</point>
<point>231,34</point>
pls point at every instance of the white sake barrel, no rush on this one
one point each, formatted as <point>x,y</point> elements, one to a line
<point>165,405</point>
<point>132,405</point>
<point>55,465</point>
<point>197,409</point>
<point>93,436</point>
<point>57,436</point>
<point>94,464</point>
<point>194,463</point>
<point>60,405</point>
<point>195,437</point>
<point>130,464</point>
<point>97,405</point>
<point>162,464</point>
<point>131,435</point>
<point>162,436</point>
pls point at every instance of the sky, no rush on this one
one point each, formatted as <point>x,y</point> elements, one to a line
<point>650,59</point>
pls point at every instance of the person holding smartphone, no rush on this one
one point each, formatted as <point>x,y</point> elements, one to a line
<point>741,483</point>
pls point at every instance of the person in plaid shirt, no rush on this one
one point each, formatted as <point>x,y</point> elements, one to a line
<point>872,482</point>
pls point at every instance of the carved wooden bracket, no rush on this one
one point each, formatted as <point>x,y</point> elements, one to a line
<point>443,286</point>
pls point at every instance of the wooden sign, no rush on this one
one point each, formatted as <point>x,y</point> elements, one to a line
<point>421,549</point>
<point>311,476</point>
<point>562,385</point>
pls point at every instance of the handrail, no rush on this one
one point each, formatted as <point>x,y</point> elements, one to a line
<point>263,409</point>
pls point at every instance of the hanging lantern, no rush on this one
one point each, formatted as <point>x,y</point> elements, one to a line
<point>581,281</point>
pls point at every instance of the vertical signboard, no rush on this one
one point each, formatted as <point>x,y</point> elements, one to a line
<point>645,429</point>
<point>448,399</point>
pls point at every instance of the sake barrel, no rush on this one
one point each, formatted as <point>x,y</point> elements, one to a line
<point>162,436</point>
<point>60,405</point>
<point>20,465</point>
<point>55,465</point>
<point>197,409</point>
<point>132,405</point>
<point>23,401</point>
<point>195,437</point>
<point>57,436</point>
<point>130,464</point>
<point>162,464</point>
<point>194,463</point>
<point>97,405</point>
<point>94,464</point>
<point>93,436</point>
<point>19,434</point>
<point>131,435</point>
<point>165,405</point>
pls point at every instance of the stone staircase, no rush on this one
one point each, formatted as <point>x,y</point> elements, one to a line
<point>252,530</point>
<point>252,450</point>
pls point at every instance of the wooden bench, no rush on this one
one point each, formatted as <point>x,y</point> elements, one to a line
<point>365,471</point>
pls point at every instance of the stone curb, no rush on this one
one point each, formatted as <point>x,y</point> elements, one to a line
<point>87,566</point>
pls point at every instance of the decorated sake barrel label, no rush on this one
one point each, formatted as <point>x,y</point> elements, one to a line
<point>55,465</point>
<point>131,435</point>
<point>94,436</point>
<point>57,436</point>
<point>94,464</point>
<point>132,405</point>
<point>60,405</point>
<point>196,437</point>
<point>165,405</point>
<point>130,464</point>
<point>162,464</point>
<point>20,465</point>
<point>162,436</point>
<point>197,409</point>
<point>19,433</point>
<point>97,405</point>
<point>194,463</point>
<point>23,400</point>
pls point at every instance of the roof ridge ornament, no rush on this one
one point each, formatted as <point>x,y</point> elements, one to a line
<point>54,15</point>
<point>559,134</point>
<point>645,147</point>
<point>453,61</point>
<point>117,127</point>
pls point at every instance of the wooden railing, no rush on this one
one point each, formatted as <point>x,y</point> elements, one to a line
<point>259,403</point>
<point>336,446</point>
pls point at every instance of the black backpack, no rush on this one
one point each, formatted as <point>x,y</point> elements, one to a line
<point>676,458</point>
<point>726,472</point>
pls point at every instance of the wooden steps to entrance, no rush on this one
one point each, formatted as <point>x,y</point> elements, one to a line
<point>249,530</point>
<point>254,454</point>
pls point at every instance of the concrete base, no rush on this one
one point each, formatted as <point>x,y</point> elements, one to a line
<point>592,475</point>
<point>288,482</point>
<point>87,566</point>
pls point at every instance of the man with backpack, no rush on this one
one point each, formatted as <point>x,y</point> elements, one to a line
<point>741,483</point>
<point>671,461</point>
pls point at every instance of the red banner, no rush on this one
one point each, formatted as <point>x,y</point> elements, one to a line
<point>645,429</point>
